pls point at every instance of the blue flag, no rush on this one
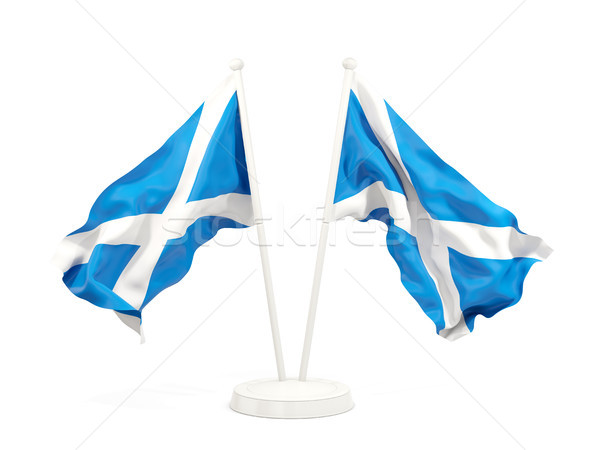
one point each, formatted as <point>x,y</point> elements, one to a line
<point>143,230</point>
<point>459,254</point>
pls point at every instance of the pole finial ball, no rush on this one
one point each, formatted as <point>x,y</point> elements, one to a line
<point>349,63</point>
<point>236,64</point>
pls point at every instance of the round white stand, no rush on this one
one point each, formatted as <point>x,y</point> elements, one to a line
<point>291,399</point>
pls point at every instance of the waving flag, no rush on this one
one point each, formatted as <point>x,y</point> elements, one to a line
<point>143,230</point>
<point>459,254</point>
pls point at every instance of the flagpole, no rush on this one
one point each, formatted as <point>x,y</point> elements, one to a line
<point>236,65</point>
<point>292,398</point>
<point>349,64</point>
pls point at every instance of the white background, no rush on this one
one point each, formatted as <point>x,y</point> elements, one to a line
<point>508,97</point>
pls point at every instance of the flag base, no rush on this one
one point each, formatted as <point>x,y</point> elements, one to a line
<point>291,399</point>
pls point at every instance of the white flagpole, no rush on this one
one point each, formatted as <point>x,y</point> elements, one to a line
<point>349,64</point>
<point>236,65</point>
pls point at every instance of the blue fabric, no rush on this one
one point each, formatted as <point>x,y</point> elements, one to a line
<point>413,274</point>
<point>443,192</point>
<point>223,169</point>
<point>487,286</point>
<point>95,280</point>
<point>149,187</point>
<point>363,160</point>
<point>176,259</point>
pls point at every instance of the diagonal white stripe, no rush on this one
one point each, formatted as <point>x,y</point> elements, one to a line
<point>471,239</point>
<point>480,241</point>
<point>77,248</point>
<point>373,197</point>
<point>135,230</point>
